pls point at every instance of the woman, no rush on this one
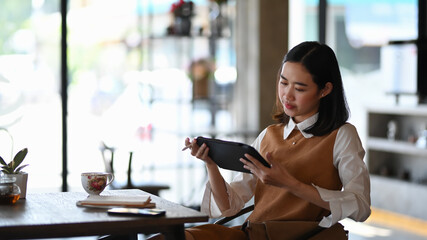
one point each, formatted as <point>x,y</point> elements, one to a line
<point>317,171</point>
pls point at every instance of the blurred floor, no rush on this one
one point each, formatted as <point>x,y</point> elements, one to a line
<point>387,225</point>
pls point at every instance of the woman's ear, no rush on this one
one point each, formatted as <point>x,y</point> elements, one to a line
<point>327,89</point>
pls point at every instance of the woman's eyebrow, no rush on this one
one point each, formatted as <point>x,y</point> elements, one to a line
<point>298,83</point>
<point>301,84</point>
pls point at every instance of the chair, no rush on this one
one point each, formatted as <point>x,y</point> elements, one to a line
<point>243,211</point>
<point>153,188</point>
<point>337,231</point>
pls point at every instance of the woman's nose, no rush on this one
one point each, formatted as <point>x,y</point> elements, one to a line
<point>287,95</point>
<point>286,98</point>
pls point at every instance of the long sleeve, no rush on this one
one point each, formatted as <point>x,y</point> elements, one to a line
<point>354,200</point>
<point>240,191</point>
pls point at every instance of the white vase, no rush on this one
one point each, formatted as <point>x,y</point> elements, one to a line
<point>21,181</point>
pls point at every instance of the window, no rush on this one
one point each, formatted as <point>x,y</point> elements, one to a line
<point>132,88</point>
<point>369,65</point>
<point>30,103</point>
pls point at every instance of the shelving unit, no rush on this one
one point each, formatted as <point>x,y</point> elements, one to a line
<point>398,167</point>
<point>176,107</point>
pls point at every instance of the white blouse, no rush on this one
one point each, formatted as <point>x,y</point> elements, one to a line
<point>352,201</point>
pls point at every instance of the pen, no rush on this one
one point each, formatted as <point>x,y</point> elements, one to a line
<point>185,148</point>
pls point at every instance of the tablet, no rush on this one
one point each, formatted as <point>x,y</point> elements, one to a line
<point>226,154</point>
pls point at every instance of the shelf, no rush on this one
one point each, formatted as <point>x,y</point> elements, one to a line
<point>420,110</point>
<point>393,146</point>
<point>174,37</point>
<point>400,180</point>
<point>399,196</point>
<point>398,168</point>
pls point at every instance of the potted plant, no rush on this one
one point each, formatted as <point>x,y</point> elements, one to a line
<point>200,74</point>
<point>14,168</point>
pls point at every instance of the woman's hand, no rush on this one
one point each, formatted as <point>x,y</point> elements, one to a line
<point>276,175</point>
<point>199,152</point>
<point>218,186</point>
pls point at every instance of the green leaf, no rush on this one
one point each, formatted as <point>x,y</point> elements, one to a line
<point>2,161</point>
<point>19,157</point>
<point>5,167</point>
<point>7,170</point>
<point>20,168</point>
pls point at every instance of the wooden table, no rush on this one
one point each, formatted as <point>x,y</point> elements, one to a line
<point>55,215</point>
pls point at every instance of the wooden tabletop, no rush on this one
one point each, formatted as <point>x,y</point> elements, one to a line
<point>49,215</point>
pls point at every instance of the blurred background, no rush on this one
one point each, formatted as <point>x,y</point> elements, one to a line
<point>142,75</point>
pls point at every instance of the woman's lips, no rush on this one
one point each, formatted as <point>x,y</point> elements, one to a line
<point>289,106</point>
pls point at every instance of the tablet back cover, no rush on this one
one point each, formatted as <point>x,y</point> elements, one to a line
<point>227,154</point>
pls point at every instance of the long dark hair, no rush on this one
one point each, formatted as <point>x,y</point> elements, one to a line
<point>321,62</point>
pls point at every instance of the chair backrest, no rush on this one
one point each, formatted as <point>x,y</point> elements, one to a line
<point>108,157</point>
<point>244,210</point>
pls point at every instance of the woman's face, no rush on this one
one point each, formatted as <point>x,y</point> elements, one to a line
<point>299,95</point>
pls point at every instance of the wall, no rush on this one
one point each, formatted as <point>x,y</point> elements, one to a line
<point>262,30</point>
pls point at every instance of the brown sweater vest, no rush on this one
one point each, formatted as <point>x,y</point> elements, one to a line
<point>310,160</point>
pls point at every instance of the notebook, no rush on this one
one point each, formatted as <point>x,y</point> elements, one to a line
<point>137,201</point>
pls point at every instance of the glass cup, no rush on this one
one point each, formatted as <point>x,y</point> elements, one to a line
<point>95,182</point>
<point>9,191</point>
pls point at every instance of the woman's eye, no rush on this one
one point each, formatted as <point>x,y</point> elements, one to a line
<point>283,83</point>
<point>299,89</point>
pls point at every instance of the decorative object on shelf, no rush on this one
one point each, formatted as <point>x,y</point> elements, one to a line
<point>391,130</point>
<point>200,73</point>
<point>220,2</point>
<point>217,17</point>
<point>13,169</point>
<point>182,12</point>
<point>422,140</point>
<point>404,174</point>
<point>412,138</point>
<point>384,171</point>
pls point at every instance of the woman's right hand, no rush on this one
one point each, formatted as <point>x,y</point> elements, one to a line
<point>217,183</point>
<point>199,152</point>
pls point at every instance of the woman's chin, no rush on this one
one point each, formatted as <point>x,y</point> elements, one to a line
<point>290,113</point>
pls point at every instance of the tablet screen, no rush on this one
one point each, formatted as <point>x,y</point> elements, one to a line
<point>226,154</point>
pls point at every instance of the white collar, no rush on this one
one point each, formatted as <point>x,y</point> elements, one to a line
<point>300,126</point>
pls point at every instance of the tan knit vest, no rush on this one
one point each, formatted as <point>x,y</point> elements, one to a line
<point>310,160</point>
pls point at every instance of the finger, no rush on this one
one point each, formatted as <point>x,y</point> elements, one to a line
<point>254,161</point>
<point>201,154</point>
<point>187,144</point>
<point>248,165</point>
<point>205,153</point>
<point>244,161</point>
<point>201,151</point>
<point>194,148</point>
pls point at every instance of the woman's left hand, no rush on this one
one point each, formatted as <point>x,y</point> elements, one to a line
<point>276,175</point>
